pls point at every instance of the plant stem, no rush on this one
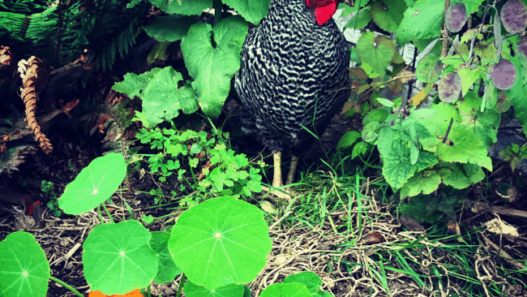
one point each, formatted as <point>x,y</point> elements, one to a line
<point>218,7</point>
<point>180,286</point>
<point>66,286</point>
<point>148,290</point>
<point>108,212</point>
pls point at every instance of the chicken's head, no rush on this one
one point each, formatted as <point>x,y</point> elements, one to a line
<point>324,9</point>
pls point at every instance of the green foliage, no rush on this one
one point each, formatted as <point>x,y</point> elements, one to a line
<point>212,67</point>
<point>112,255</point>
<point>223,172</point>
<point>375,51</point>
<point>430,209</point>
<point>514,154</point>
<point>24,269</point>
<point>53,204</point>
<point>167,269</point>
<point>161,98</point>
<point>169,28</point>
<point>95,184</point>
<point>236,226</point>
<point>421,21</point>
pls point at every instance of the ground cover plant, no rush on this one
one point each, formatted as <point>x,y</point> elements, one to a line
<point>149,189</point>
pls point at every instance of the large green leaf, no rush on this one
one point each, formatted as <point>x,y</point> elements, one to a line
<point>232,290</point>
<point>286,290</point>
<point>251,10</point>
<point>483,124</point>
<point>220,241</point>
<point>95,184</point>
<point>465,148</point>
<point>424,182</point>
<point>422,21</point>
<point>162,99</point>
<point>118,259</point>
<point>24,269</point>
<point>167,269</point>
<point>388,14</point>
<point>185,7</point>
<point>169,28</point>
<point>213,67</point>
<point>375,51</point>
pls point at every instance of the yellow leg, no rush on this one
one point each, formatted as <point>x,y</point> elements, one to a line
<point>292,170</point>
<point>277,176</point>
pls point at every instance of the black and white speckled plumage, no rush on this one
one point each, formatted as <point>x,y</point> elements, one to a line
<point>293,73</point>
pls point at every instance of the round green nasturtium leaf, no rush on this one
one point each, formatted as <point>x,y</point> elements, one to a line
<point>286,290</point>
<point>94,184</point>
<point>24,269</point>
<point>118,259</point>
<point>167,269</point>
<point>232,290</point>
<point>246,291</point>
<point>220,241</point>
<point>309,279</point>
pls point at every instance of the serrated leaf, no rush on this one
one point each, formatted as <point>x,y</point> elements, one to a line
<point>117,258</point>
<point>169,28</point>
<point>422,21</point>
<point>454,175</point>
<point>212,68</point>
<point>422,182</point>
<point>466,148</point>
<point>251,10</point>
<point>229,238</point>
<point>96,183</point>
<point>483,124</point>
<point>24,269</point>
<point>184,7</point>
<point>375,51</point>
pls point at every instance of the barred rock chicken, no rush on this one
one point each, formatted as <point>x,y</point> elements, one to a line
<point>293,76</point>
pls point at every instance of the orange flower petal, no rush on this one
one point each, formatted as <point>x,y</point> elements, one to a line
<point>134,293</point>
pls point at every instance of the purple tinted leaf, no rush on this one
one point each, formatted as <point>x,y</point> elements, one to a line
<point>456,17</point>
<point>522,45</point>
<point>504,102</point>
<point>514,16</point>
<point>449,87</point>
<point>503,75</point>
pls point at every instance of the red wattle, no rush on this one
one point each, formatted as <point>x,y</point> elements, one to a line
<point>324,13</point>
